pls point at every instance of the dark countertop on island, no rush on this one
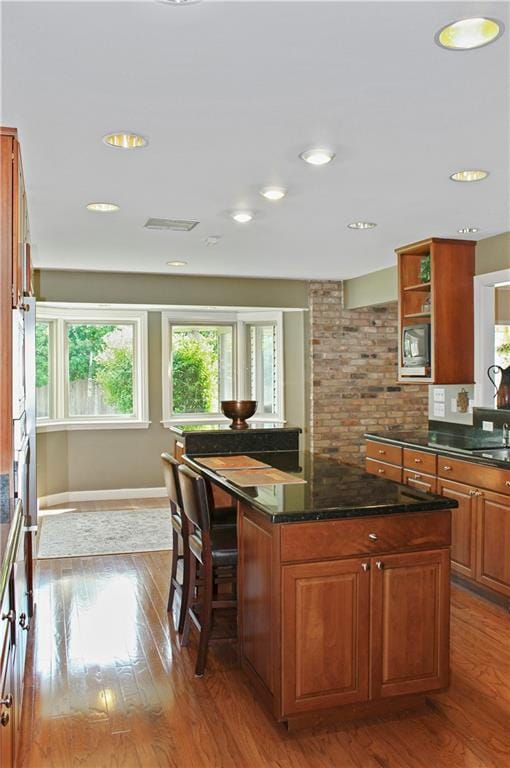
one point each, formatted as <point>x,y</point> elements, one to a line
<point>331,491</point>
<point>224,426</point>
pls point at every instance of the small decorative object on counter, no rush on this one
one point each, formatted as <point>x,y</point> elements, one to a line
<point>503,391</point>
<point>427,305</point>
<point>238,411</point>
<point>425,269</point>
<point>462,401</point>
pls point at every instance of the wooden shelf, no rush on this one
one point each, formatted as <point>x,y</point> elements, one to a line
<point>417,314</point>
<point>425,287</point>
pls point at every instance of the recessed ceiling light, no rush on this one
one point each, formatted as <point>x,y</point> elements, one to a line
<point>472,175</point>
<point>361,225</point>
<point>242,217</point>
<point>467,230</point>
<point>123,140</point>
<point>317,156</point>
<point>273,193</point>
<point>103,207</point>
<point>465,34</point>
<point>176,263</point>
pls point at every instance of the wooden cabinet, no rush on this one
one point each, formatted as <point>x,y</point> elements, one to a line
<point>493,541</point>
<point>343,614</point>
<point>388,471</point>
<point>221,499</point>
<point>425,483</point>
<point>444,303</point>
<point>325,625</point>
<point>464,519</point>
<point>384,460</point>
<point>331,609</point>
<point>410,614</point>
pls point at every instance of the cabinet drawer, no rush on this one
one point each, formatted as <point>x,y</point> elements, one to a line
<point>388,471</point>
<point>420,481</point>
<point>384,452</point>
<point>364,535</point>
<point>420,460</point>
<point>477,475</point>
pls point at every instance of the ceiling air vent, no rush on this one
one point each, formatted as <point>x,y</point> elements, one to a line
<point>176,225</point>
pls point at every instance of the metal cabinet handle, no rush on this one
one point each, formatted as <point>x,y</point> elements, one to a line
<point>416,477</point>
<point>507,483</point>
<point>447,468</point>
<point>381,451</point>
<point>10,617</point>
<point>365,567</point>
<point>418,461</point>
<point>372,536</point>
<point>379,564</point>
<point>472,492</point>
<point>479,493</point>
<point>381,471</point>
<point>7,702</point>
<point>4,718</point>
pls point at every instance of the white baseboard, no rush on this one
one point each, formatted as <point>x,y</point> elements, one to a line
<point>114,493</point>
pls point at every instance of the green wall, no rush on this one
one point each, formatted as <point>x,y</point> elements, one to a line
<point>492,254</point>
<point>80,460</point>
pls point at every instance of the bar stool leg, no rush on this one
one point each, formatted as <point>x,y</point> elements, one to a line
<point>189,601</point>
<point>205,618</point>
<point>186,567</point>
<point>173,573</point>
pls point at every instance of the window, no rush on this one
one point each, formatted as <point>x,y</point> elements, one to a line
<point>221,356</point>
<point>91,368</point>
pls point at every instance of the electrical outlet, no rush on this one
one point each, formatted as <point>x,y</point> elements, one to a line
<point>488,426</point>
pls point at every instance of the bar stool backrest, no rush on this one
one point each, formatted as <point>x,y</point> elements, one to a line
<point>171,476</point>
<point>195,503</point>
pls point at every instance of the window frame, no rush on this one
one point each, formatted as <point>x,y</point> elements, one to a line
<point>241,321</point>
<point>60,317</point>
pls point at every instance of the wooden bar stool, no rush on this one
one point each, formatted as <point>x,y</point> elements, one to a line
<point>214,551</point>
<point>179,535</point>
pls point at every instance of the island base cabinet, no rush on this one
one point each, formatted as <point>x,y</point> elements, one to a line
<point>410,619</point>
<point>363,629</point>
<point>325,634</point>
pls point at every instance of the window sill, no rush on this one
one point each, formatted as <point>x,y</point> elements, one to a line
<point>73,426</point>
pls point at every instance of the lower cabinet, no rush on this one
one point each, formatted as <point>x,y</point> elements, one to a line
<point>425,483</point>
<point>364,628</point>
<point>464,520</point>
<point>493,555</point>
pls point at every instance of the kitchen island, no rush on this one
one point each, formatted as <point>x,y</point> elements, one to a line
<point>343,580</point>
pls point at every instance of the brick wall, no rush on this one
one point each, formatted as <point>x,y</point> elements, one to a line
<point>354,385</point>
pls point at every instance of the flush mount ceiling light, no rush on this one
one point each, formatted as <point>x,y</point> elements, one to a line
<point>242,217</point>
<point>467,230</point>
<point>476,174</point>
<point>361,225</point>
<point>127,140</point>
<point>317,156</point>
<point>465,34</point>
<point>103,207</point>
<point>273,193</point>
<point>179,2</point>
<point>176,263</point>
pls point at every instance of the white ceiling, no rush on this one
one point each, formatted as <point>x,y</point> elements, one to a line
<point>228,94</point>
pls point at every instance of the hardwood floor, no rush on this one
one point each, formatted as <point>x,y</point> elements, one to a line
<point>110,687</point>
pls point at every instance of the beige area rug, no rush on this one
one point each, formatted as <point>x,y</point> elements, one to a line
<point>108,532</point>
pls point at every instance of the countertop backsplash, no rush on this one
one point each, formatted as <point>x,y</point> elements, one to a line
<point>451,403</point>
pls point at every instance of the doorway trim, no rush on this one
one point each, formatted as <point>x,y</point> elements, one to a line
<point>484,305</point>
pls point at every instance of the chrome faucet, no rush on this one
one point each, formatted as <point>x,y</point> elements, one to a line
<point>506,435</point>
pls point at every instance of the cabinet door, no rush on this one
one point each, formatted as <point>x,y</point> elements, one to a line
<point>463,550</point>
<point>410,619</point>
<point>325,634</point>
<point>493,562</point>
<point>7,724</point>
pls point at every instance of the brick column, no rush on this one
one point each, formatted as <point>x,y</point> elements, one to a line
<point>354,385</point>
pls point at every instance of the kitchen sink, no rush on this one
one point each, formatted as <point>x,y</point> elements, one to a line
<point>501,454</point>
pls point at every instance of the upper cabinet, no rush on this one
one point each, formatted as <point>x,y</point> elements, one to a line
<point>17,270</point>
<point>435,279</point>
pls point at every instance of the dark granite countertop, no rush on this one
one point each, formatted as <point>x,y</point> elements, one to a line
<point>331,491</point>
<point>467,447</point>
<point>224,426</point>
